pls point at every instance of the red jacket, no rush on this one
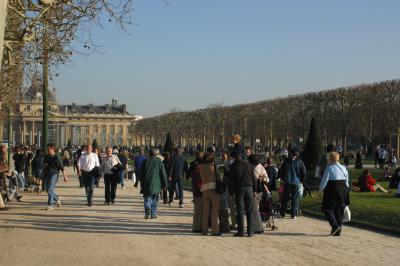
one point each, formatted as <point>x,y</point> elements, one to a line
<point>366,183</point>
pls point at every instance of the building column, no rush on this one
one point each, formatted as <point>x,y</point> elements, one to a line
<point>90,133</point>
<point>107,135</point>
<point>124,135</point>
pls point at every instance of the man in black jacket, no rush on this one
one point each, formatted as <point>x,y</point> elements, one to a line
<point>243,185</point>
<point>178,170</point>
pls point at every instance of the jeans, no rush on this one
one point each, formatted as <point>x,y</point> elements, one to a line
<point>245,202</point>
<point>88,181</point>
<point>21,180</point>
<point>110,188</point>
<point>176,182</point>
<point>151,204</point>
<point>51,183</point>
<point>293,192</point>
<point>121,177</point>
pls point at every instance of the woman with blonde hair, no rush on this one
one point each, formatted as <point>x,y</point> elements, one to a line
<point>335,184</point>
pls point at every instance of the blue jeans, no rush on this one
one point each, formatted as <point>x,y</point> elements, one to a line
<point>121,177</point>
<point>51,183</point>
<point>151,204</point>
<point>21,180</point>
<point>89,181</point>
<point>244,202</point>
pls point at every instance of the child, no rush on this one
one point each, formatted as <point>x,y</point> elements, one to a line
<point>12,186</point>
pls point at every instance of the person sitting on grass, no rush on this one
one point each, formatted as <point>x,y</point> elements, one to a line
<point>368,184</point>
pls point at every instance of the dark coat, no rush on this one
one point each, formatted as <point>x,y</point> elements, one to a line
<point>152,177</point>
<point>241,175</point>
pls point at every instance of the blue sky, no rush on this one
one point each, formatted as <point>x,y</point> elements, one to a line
<point>188,54</point>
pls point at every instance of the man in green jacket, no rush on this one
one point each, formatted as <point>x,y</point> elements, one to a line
<point>153,178</point>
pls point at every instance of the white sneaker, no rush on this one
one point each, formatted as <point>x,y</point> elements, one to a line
<point>49,208</point>
<point>59,202</point>
<point>170,204</point>
<point>123,187</point>
<point>181,205</point>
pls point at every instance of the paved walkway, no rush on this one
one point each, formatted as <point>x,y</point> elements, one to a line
<point>118,235</point>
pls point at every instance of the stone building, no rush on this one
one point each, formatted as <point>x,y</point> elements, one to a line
<point>109,124</point>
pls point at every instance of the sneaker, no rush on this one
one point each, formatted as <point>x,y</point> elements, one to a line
<point>90,204</point>
<point>106,203</point>
<point>170,204</point>
<point>181,206</point>
<point>294,218</point>
<point>123,187</point>
<point>18,198</point>
<point>49,208</point>
<point>59,202</point>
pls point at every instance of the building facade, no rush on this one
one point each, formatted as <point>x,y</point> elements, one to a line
<point>108,124</point>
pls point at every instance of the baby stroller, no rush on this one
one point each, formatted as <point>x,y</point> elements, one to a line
<point>267,211</point>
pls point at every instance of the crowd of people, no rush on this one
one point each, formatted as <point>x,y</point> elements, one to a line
<point>239,185</point>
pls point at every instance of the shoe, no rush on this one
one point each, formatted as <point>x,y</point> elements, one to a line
<point>106,203</point>
<point>154,217</point>
<point>170,204</point>
<point>335,231</point>
<point>251,235</point>
<point>49,208</point>
<point>238,234</point>
<point>219,234</point>
<point>259,232</point>
<point>181,206</point>
<point>338,233</point>
<point>204,234</point>
<point>294,218</point>
<point>197,231</point>
<point>113,202</point>
<point>18,198</point>
<point>90,204</point>
<point>135,185</point>
<point>59,202</point>
<point>147,215</point>
<point>123,187</point>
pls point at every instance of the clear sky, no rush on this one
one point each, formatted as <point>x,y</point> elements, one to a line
<point>189,53</point>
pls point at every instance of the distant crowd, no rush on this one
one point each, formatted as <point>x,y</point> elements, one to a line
<point>226,186</point>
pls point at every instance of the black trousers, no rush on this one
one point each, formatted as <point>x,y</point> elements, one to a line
<point>111,182</point>
<point>291,192</point>
<point>335,215</point>
<point>244,202</point>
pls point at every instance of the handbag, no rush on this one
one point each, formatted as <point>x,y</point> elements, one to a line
<point>346,215</point>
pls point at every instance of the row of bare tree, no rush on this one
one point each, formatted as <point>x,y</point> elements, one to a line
<point>354,117</point>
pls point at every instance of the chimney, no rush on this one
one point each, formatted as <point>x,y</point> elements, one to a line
<point>123,108</point>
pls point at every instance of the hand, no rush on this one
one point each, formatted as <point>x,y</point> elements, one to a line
<point>169,178</point>
<point>65,178</point>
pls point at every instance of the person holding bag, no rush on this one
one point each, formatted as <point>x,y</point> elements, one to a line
<point>335,184</point>
<point>110,165</point>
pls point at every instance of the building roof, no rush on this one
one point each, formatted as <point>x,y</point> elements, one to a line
<point>93,109</point>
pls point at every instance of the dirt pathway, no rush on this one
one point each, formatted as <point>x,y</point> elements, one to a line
<point>118,235</point>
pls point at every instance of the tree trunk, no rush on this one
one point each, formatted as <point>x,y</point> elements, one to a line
<point>45,65</point>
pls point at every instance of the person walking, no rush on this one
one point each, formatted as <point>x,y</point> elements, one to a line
<point>124,169</point>
<point>243,186</point>
<point>292,171</point>
<point>178,170</point>
<point>167,166</point>
<point>138,166</point>
<point>109,168</point>
<point>335,184</point>
<point>211,199</point>
<point>19,163</point>
<point>153,178</point>
<point>86,167</point>
<point>52,165</point>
